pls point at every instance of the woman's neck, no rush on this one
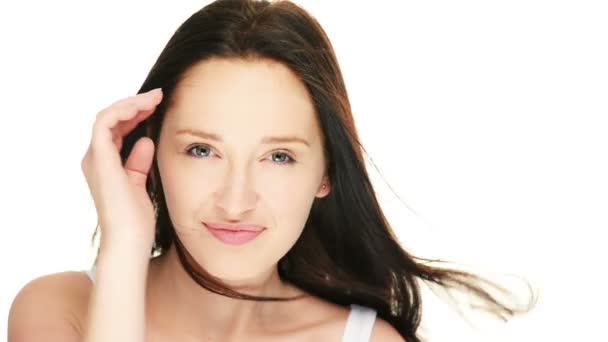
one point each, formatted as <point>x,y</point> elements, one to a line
<point>179,306</point>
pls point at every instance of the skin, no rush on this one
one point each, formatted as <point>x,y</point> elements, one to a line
<point>236,180</point>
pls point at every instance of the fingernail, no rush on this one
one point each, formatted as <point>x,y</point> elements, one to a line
<point>154,91</point>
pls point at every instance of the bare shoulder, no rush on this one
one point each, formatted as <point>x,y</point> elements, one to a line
<point>383,331</point>
<point>333,317</point>
<point>50,308</point>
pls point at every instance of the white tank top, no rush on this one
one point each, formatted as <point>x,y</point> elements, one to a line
<point>358,325</point>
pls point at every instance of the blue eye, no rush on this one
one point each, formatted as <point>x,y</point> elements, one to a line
<point>289,158</point>
<point>197,148</point>
<point>201,151</point>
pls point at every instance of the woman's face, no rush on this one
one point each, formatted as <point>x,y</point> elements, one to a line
<point>240,144</point>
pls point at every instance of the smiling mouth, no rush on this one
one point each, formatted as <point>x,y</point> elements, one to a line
<point>234,236</point>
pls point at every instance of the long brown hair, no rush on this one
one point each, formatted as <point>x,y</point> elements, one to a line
<point>347,253</point>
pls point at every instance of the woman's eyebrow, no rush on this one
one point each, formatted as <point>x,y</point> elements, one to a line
<point>265,140</point>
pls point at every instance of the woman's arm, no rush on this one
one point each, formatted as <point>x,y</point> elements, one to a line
<point>117,305</point>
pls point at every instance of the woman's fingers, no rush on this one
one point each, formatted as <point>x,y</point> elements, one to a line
<point>116,121</point>
<point>139,161</point>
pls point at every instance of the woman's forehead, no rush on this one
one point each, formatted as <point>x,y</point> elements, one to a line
<point>222,96</point>
<point>236,82</point>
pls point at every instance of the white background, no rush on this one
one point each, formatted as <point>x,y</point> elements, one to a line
<point>487,118</point>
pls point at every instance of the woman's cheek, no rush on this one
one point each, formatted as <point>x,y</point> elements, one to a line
<point>185,185</point>
<point>290,197</point>
<point>278,185</point>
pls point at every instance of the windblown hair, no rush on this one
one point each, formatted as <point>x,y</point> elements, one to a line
<point>347,252</point>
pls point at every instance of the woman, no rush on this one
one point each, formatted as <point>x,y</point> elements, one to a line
<point>244,180</point>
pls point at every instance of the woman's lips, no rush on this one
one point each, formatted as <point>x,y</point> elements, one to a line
<point>234,235</point>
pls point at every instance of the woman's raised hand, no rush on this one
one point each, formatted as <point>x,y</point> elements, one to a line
<point>125,211</point>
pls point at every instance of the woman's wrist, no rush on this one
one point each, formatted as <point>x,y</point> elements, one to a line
<point>126,248</point>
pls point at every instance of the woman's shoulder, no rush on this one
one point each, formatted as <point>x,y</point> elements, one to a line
<point>54,304</point>
<point>334,320</point>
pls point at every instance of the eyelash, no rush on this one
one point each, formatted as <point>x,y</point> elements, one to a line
<point>291,159</point>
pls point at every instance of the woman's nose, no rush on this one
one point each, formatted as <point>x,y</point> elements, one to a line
<point>237,194</point>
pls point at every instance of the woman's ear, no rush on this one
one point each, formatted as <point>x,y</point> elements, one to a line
<point>324,187</point>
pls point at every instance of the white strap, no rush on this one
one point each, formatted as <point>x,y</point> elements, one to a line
<point>91,274</point>
<point>359,324</point>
